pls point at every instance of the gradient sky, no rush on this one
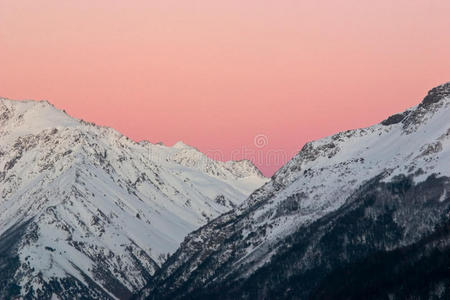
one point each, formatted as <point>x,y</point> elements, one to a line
<point>215,74</point>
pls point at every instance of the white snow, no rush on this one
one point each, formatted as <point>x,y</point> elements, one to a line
<point>94,193</point>
<point>329,170</point>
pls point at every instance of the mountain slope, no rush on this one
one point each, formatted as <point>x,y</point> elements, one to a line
<point>341,201</point>
<point>84,206</point>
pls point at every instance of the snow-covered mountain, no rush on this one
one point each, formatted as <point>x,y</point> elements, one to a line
<point>87,212</point>
<point>378,195</point>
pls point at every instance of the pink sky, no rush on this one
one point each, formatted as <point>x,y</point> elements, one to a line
<point>215,74</point>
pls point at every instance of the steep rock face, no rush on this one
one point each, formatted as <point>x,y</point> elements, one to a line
<point>342,199</point>
<point>84,206</point>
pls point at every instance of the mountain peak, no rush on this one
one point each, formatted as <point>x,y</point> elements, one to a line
<point>433,96</point>
<point>26,103</point>
<point>181,145</point>
<point>243,168</point>
<point>30,117</point>
<point>97,202</point>
<point>436,94</point>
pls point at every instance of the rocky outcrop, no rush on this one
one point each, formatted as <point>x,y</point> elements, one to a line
<point>436,94</point>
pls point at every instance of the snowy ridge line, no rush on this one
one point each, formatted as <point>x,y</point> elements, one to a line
<point>104,209</point>
<point>315,183</point>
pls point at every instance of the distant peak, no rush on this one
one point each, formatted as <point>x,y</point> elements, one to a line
<point>436,94</point>
<point>245,162</point>
<point>244,168</point>
<point>181,145</point>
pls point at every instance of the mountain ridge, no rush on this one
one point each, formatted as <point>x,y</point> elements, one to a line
<point>74,121</point>
<point>101,211</point>
<point>106,212</point>
<point>233,256</point>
